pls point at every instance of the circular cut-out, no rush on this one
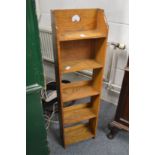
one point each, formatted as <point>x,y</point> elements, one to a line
<point>75,18</point>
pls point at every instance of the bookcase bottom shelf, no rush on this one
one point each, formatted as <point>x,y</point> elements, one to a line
<point>77,133</point>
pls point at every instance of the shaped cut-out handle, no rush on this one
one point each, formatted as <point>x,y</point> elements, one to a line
<point>75,18</point>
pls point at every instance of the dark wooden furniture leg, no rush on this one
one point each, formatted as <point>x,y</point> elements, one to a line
<point>121,120</point>
<point>113,131</point>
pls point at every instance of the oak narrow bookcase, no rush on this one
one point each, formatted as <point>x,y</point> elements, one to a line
<point>80,41</point>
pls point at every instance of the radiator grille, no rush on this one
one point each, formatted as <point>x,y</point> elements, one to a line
<point>46,45</point>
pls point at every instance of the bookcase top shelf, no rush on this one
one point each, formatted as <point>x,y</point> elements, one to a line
<point>80,35</point>
<point>79,24</point>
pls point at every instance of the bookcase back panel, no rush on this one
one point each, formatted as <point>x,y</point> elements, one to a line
<point>87,19</point>
<point>76,50</point>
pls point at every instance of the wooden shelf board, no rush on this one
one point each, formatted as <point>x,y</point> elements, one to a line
<point>77,113</point>
<point>77,133</point>
<point>77,90</point>
<point>78,35</point>
<point>78,65</point>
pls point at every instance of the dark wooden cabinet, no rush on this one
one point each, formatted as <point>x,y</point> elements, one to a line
<point>121,120</point>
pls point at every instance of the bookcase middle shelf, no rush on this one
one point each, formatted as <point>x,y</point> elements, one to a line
<point>77,65</point>
<point>77,113</point>
<point>78,90</point>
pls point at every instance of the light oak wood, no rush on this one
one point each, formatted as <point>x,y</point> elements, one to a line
<point>77,113</point>
<point>95,101</point>
<point>76,84</point>
<point>79,45</point>
<point>64,23</point>
<point>56,49</point>
<point>77,50</point>
<point>77,133</point>
<point>71,94</point>
<point>77,65</point>
<point>81,35</point>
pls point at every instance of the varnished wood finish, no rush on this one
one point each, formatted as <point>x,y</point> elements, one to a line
<point>81,35</point>
<point>77,133</point>
<point>78,65</point>
<point>56,49</point>
<point>76,84</point>
<point>121,120</point>
<point>64,23</point>
<point>120,126</point>
<point>122,113</point>
<point>79,46</point>
<point>77,113</point>
<point>84,50</point>
<point>74,93</point>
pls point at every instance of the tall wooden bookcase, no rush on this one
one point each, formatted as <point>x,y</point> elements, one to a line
<point>80,41</point>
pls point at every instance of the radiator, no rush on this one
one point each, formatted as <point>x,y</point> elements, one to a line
<point>46,45</point>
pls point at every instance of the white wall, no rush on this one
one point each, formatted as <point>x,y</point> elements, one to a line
<point>117,15</point>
